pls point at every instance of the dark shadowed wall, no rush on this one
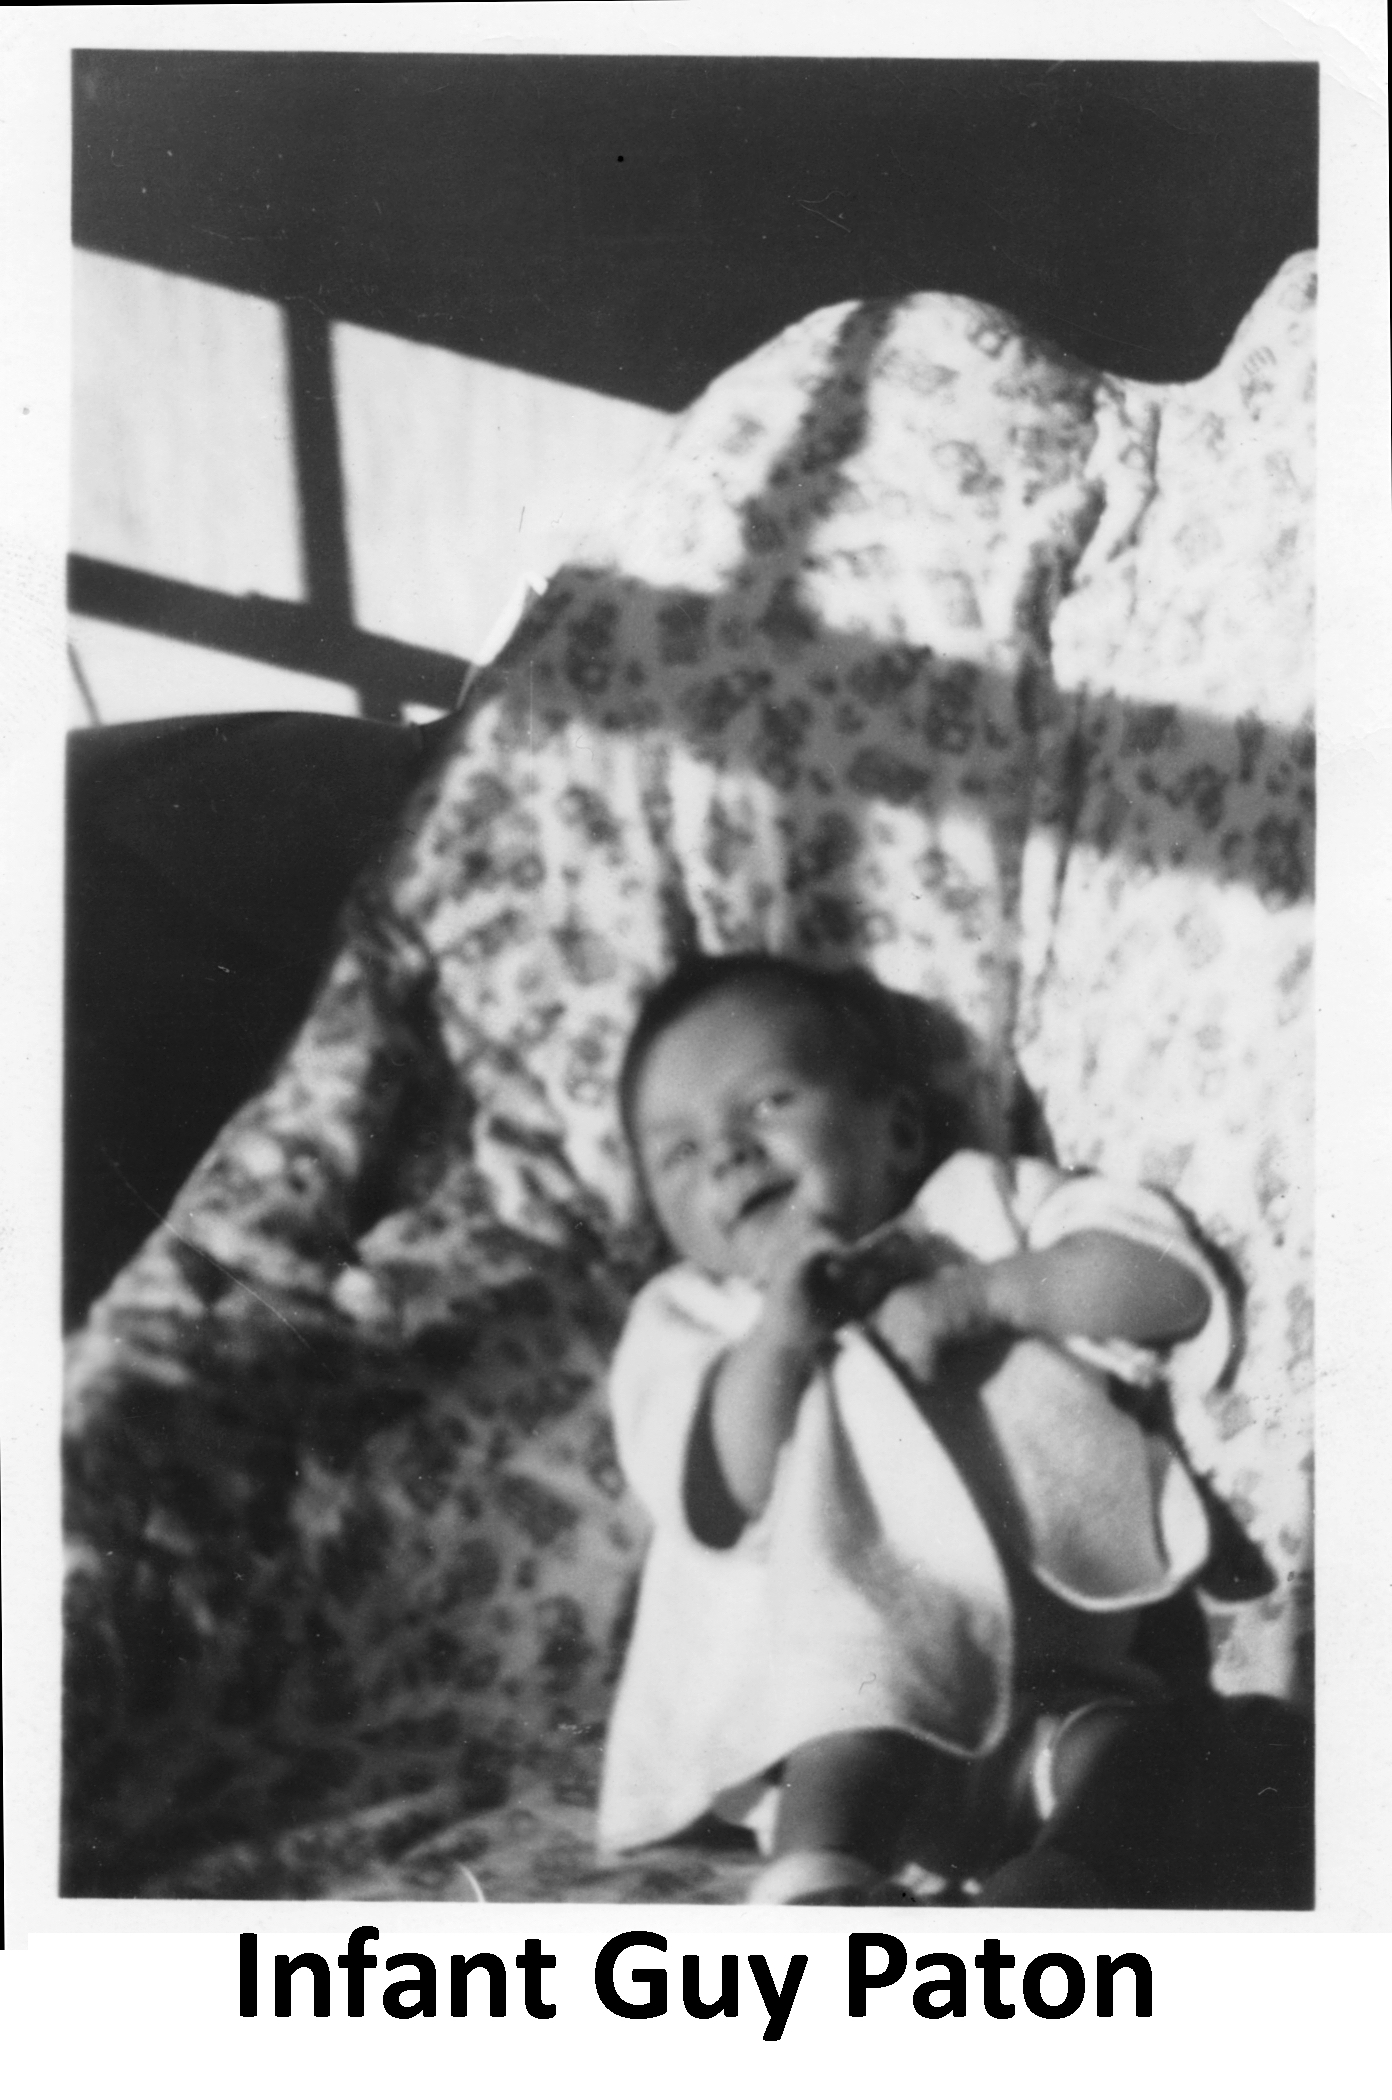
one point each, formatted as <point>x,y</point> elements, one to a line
<point>635,225</point>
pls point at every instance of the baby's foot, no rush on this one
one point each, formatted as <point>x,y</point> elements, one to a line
<point>826,1877</point>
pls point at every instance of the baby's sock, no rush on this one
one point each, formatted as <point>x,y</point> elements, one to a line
<point>813,1877</point>
<point>831,1877</point>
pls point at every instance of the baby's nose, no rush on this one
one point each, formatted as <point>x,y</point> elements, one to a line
<point>735,1148</point>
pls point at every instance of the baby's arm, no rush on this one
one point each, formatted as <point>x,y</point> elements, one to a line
<point>760,1381</point>
<point>1096,1284</point>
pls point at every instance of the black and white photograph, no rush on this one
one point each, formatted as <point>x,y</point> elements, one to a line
<point>687,1191</point>
<point>687,1196</point>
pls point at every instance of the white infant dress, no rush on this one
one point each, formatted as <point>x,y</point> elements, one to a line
<point>922,1564</point>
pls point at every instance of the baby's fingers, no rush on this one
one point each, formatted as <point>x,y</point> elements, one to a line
<point>852,1281</point>
<point>910,1326</point>
<point>795,1268</point>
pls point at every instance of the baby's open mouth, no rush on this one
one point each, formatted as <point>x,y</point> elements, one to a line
<point>761,1201</point>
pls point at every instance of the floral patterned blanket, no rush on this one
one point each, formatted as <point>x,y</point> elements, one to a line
<point>919,645</point>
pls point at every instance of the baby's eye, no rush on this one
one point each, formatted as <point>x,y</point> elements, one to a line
<point>776,1098</point>
<point>676,1155</point>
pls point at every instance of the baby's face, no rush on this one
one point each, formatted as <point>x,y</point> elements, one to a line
<point>747,1126</point>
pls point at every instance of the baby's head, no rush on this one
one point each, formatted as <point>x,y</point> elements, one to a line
<point>755,1088</point>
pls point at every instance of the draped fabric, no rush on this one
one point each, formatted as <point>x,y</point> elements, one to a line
<point>920,645</point>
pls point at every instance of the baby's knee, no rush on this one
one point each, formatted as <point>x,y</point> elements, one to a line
<point>1076,1753</point>
<point>854,1791</point>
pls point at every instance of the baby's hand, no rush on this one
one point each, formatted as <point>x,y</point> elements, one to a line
<point>917,1320</point>
<point>799,1312</point>
<point>848,1282</point>
<point>853,1279</point>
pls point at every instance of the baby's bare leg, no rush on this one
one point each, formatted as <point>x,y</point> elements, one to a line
<point>857,1793</point>
<point>1120,1776</point>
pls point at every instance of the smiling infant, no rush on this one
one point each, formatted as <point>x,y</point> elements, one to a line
<point>885,1413</point>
